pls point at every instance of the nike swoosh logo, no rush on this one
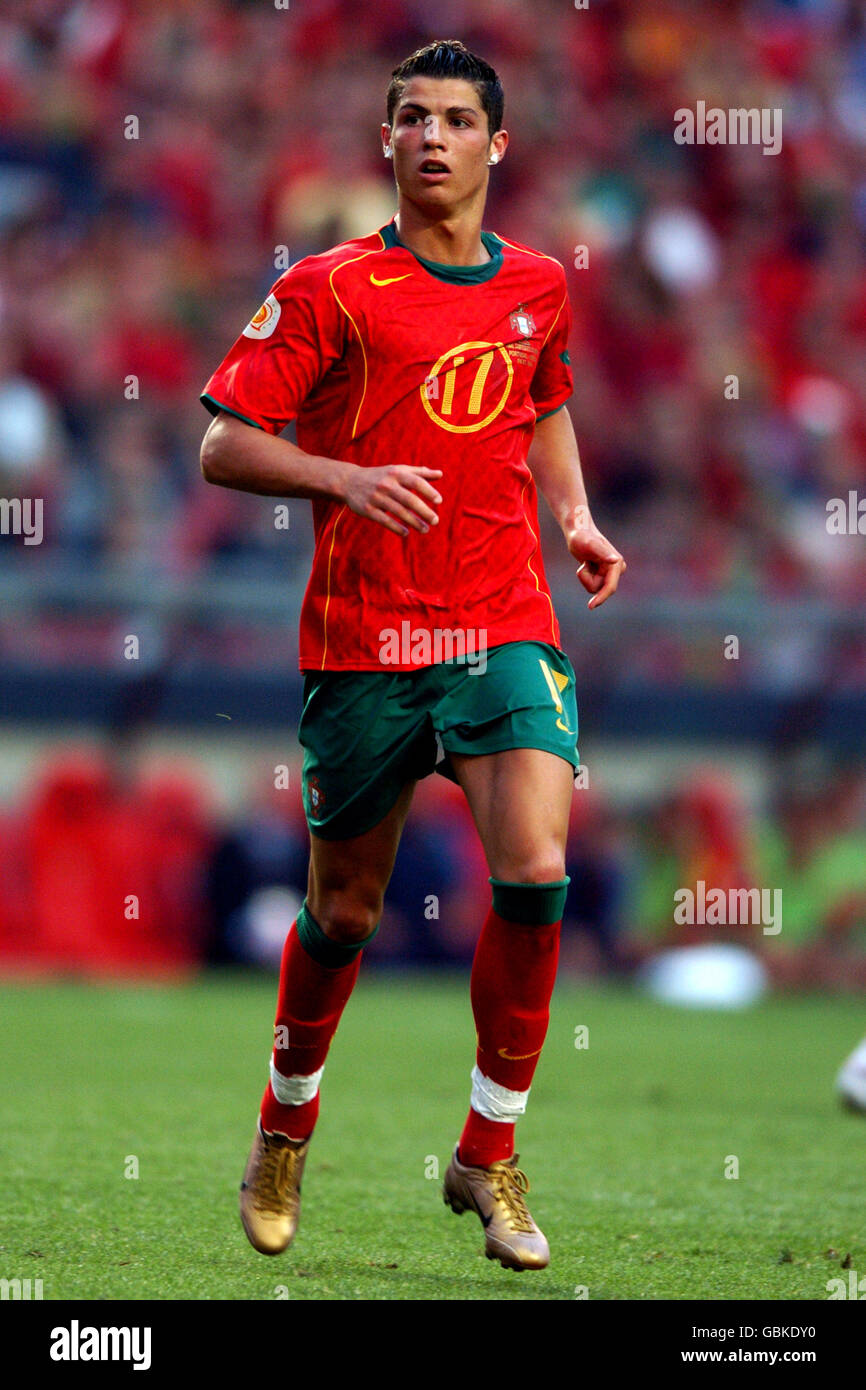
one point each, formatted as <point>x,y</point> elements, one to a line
<point>517,1057</point>
<point>393,280</point>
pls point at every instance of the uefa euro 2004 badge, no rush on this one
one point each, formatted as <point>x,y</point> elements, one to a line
<point>265,320</point>
<point>315,793</point>
<point>522,321</point>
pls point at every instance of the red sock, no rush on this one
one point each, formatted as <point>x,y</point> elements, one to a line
<point>513,974</point>
<point>309,1006</point>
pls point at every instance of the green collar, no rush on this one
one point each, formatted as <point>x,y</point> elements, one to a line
<point>453,274</point>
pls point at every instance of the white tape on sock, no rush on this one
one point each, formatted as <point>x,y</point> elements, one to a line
<point>493,1101</point>
<point>294,1090</point>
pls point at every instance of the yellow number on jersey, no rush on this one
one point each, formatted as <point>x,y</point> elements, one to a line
<point>450,361</point>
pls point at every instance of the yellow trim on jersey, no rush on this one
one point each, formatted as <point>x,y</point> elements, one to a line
<point>351,261</point>
<point>529,564</point>
<point>553,324</point>
<point>328,587</point>
<point>542,255</point>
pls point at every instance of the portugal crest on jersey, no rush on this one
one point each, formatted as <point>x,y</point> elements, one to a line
<point>522,321</point>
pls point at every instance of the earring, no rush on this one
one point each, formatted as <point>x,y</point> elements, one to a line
<point>494,159</point>
<point>388,152</point>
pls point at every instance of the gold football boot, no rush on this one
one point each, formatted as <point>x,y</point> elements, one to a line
<point>271,1190</point>
<point>496,1194</point>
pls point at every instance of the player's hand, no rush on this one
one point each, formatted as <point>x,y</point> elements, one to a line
<point>398,496</point>
<point>600,563</point>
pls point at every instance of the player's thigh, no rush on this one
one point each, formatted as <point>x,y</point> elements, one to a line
<point>347,878</point>
<point>365,736</point>
<point>520,800</point>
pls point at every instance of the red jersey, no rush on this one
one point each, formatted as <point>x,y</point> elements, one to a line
<point>382,358</point>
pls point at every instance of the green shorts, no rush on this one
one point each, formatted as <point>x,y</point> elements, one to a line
<point>365,734</point>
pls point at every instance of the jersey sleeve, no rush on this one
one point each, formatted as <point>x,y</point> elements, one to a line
<point>552,384</point>
<point>283,353</point>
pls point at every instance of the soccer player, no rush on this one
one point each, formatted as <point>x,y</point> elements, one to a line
<point>427,368</point>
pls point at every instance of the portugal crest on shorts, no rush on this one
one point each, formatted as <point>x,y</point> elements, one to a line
<point>316,795</point>
<point>522,321</point>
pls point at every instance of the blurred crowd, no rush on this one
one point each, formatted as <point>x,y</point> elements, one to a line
<point>108,871</point>
<point>155,156</point>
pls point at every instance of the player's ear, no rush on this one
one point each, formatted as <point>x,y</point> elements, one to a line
<point>498,146</point>
<point>386,141</point>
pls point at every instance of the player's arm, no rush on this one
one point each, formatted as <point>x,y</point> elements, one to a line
<point>554,460</point>
<point>238,455</point>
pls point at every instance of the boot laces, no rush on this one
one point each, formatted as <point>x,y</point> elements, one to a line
<point>276,1174</point>
<point>511,1186</point>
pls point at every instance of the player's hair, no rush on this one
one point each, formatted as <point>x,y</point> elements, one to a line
<point>451,58</point>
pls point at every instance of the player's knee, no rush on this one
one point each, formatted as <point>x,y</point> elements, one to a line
<point>541,867</point>
<point>349,918</point>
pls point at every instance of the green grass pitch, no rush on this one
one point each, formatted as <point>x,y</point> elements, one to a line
<point>626,1143</point>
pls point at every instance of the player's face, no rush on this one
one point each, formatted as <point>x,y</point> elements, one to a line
<point>440,142</point>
